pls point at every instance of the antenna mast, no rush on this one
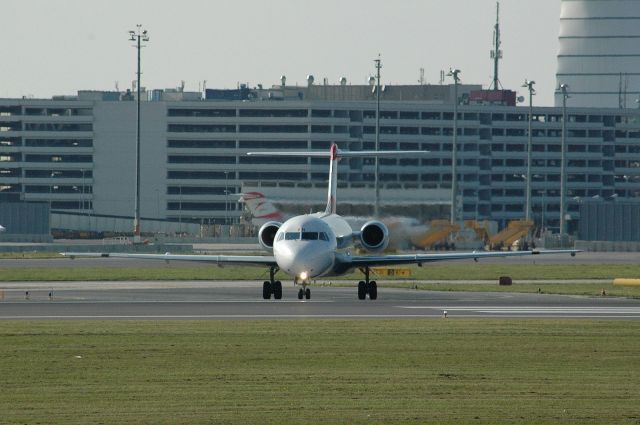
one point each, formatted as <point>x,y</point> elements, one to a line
<point>496,53</point>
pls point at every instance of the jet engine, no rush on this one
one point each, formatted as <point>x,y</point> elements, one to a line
<point>267,234</point>
<point>374,236</point>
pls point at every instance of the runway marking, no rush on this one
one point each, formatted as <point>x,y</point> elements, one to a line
<point>587,310</point>
<point>222,316</point>
<point>80,300</point>
<point>293,316</point>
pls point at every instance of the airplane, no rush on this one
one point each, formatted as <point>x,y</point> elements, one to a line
<point>262,209</point>
<point>317,245</point>
<point>403,230</point>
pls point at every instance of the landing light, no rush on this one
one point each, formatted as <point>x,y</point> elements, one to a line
<point>304,275</point>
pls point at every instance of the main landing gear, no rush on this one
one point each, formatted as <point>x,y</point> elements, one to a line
<point>367,286</point>
<point>271,286</point>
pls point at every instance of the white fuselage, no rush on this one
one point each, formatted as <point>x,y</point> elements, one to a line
<point>305,246</point>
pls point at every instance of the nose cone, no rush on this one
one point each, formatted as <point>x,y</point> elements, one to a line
<point>297,257</point>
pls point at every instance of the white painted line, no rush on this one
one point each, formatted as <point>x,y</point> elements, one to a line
<point>546,311</point>
<point>305,316</point>
<point>238,301</point>
<point>221,316</point>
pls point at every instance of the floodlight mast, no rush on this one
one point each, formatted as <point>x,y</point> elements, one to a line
<point>529,85</point>
<point>454,149</point>
<point>138,36</point>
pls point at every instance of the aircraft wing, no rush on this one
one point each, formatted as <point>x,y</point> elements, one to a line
<point>220,260</point>
<point>390,260</point>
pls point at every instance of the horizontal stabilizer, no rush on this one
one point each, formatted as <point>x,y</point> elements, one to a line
<point>341,154</point>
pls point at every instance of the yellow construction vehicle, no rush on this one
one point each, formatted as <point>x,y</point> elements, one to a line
<point>438,232</point>
<point>515,230</point>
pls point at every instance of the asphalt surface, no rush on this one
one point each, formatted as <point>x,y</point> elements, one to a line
<point>242,300</point>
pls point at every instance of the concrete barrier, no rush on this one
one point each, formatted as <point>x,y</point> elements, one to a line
<point>626,282</point>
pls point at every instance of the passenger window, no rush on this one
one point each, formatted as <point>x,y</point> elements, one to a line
<point>309,236</point>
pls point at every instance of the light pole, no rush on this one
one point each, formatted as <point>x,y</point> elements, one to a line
<point>82,196</point>
<point>529,85</point>
<point>376,211</point>
<point>543,193</point>
<point>138,36</point>
<point>226,197</point>
<point>454,149</point>
<point>564,88</point>
<point>180,208</point>
<point>53,174</point>
<point>53,187</point>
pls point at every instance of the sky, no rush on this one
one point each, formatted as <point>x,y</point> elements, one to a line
<point>56,47</point>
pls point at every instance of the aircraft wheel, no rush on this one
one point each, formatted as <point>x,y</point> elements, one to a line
<point>266,290</point>
<point>300,294</point>
<point>277,290</point>
<point>373,290</point>
<point>307,294</point>
<point>362,290</point>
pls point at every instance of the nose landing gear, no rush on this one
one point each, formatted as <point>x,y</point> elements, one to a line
<point>304,292</point>
<point>367,286</point>
<point>272,286</point>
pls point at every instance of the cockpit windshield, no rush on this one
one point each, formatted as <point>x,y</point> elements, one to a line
<point>305,236</point>
<point>292,236</point>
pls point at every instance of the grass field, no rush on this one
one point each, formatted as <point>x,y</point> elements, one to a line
<point>355,372</point>
<point>459,270</point>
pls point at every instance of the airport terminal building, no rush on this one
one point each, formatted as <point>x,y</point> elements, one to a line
<point>77,153</point>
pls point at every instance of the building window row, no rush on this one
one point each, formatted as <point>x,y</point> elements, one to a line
<point>10,126</point>
<point>201,128</point>
<point>196,190</point>
<point>201,159</point>
<point>59,143</point>
<point>57,158</point>
<point>197,206</point>
<point>50,126</point>
<point>10,172</point>
<point>202,144</point>
<point>10,141</point>
<point>58,112</point>
<point>210,113</point>
<point>197,175</point>
<point>266,128</point>
<point>58,174</point>
<point>271,144</point>
<point>54,189</point>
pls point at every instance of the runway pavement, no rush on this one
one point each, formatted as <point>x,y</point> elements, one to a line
<point>242,300</point>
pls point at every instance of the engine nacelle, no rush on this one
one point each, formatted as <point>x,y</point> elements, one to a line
<point>374,236</point>
<point>267,234</point>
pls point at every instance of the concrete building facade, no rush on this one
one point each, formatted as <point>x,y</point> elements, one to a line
<point>78,154</point>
